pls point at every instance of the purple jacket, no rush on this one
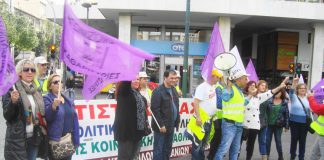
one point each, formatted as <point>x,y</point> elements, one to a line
<point>55,119</point>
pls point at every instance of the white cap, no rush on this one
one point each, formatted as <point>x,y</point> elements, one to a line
<point>142,75</point>
<point>237,75</point>
<point>178,74</point>
<point>40,60</point>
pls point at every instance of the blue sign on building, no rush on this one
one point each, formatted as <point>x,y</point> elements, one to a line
<point>170,47</point>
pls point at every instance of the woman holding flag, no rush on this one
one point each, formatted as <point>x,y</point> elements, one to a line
<point>61,117</point>
<point>131,121</point>
<point>23,109</point>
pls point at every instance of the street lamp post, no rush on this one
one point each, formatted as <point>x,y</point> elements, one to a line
<point>186,48</point>
<point>87,4</point>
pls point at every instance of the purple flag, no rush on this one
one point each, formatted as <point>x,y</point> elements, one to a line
<point>318,90</point>
<point>103,58</point>
<point>215,47</point>
<point>251,70</point>
<point>8,75</point>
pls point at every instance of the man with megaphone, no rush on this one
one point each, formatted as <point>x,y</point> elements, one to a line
<point>233,114</point>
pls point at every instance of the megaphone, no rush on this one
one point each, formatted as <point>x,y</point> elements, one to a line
<point>225,62</point>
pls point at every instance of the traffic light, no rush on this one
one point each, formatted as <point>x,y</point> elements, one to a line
<point>292,68</point>
<point>53,50</point>
<point>298,68</point>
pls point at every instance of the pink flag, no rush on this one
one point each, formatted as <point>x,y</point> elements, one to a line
<point>215,47</point>
<point>251,70</point>
<point>8,75</point>
<point>103,58</point>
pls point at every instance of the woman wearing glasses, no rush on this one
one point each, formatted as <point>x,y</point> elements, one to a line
<point>299,110</point>
<point>23,109</point>
<point>61,116</point>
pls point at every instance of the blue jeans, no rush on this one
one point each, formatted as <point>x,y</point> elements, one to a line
<point>32,150</point>
<point>162,146</point>
<point>263,141</point>
<point>231,140</point>
<point>277,132</point>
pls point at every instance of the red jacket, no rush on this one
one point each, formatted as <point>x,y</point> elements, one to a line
<point>316,108</point>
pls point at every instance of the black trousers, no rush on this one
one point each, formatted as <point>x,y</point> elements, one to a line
<point>214,143</point>
<point>250,136</point>
<point>298,134</point>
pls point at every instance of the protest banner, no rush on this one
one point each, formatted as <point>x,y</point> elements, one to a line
<point>96,118</point>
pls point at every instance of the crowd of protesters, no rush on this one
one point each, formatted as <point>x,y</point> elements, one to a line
<point>227,112</point>
<point>41,122</point>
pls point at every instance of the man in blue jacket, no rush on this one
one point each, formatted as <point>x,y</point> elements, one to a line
<point>165,109</point>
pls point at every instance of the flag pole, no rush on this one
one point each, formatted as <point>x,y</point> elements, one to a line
<point>154,118</point>
<point>60,82</point>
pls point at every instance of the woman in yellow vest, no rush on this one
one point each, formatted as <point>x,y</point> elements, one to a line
<point>318,126</point>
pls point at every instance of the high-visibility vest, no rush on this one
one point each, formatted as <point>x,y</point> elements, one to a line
<point>318,125</point>
<point>177,88</point>
<point>194,128</point>
<point>219,112</point>
<point>234,108</point>
<point>43,88</point>
<point>149,92</point>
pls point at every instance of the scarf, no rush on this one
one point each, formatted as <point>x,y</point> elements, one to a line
<point>23,90</point>
<point>140,106</point>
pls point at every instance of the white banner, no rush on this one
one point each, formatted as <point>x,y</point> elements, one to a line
<point>96,118</point>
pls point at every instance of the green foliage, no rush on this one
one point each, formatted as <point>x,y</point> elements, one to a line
<point>22,34</point>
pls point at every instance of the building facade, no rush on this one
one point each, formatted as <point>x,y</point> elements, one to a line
<point>273,33</point>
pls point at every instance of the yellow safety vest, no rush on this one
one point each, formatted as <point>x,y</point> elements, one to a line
<point>234,108</point>
<point>177,88</point>
<point>318,125</point>
<point>193,128</point>
<point>149,92</point>
<point>219,112</point>
<point>43,88</point>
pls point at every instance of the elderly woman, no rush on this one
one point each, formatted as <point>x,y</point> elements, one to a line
<point>299,107</point>
<point>130,119</point>
<point>23,109</point>
<point>61,116</point>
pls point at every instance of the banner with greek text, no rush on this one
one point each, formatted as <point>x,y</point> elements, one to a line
<point>96,118</point>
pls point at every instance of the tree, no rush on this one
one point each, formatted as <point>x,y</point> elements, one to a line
<point>27,35</point>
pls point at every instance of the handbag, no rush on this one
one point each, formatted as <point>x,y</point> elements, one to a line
<point>309,120</point>
<point>62,149</point>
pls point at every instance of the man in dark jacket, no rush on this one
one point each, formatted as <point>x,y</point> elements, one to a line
<point>165,109</point>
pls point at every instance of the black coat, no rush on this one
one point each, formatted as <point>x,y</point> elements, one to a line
<point>15,141</point>
<point>125,124</point>
<point>161,106</point>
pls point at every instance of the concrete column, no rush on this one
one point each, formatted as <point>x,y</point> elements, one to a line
<point>224,23</point>
<point>163,34</point>
<point>317,56</point>
<point>162,68</point>
<point>134,30</point>
<point>124,28</point>
<point>254,46</point>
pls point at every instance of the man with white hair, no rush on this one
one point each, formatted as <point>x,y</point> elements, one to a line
<point>41,77</point>
<point>233,115</point>
<point>144,89</point>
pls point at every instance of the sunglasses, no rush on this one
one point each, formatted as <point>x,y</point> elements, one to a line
<point>33,70</point>
<point>43,65</point>
<point>56,82</point>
